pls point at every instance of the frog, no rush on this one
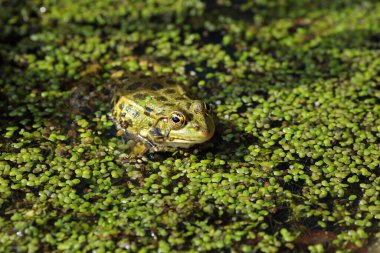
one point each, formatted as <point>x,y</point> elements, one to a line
<point>157,110</point>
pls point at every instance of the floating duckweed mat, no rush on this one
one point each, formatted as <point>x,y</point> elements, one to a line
<point>293,167</point>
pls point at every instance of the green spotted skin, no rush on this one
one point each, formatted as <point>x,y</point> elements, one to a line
<point>157,109</point>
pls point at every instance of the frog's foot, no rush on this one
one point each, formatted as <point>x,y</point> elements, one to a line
<point>138,149</point>
<point>135,145</point>
<point>151,147</point>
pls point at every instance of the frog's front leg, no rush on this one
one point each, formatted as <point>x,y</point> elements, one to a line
<point>156,138</point>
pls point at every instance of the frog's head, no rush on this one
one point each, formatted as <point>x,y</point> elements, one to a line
<point>192,125</point>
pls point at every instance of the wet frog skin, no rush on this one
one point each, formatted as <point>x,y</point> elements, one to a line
<point>157,110</point>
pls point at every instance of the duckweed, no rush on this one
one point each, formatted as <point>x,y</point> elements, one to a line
<point>294,162</point>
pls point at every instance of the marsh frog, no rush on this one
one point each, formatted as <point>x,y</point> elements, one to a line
<point>156,109</point>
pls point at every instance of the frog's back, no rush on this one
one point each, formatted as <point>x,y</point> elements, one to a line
<point>139,99</point>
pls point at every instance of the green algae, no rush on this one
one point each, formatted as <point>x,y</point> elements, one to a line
<point>294,165</point>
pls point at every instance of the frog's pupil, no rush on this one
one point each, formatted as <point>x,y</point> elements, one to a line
<point>175,119</point>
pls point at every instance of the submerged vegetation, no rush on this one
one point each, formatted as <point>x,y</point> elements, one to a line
<point>294,165</point>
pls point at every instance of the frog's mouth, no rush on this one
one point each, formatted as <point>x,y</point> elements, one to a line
<point>187,137</point>
<point>183,143</point>
<point>192,138</point>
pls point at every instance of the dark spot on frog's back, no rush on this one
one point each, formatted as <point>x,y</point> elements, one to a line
<point>179,98</point>
<point>169,104</point>
<point>147,111</point>
<point>121,106</point>
<point>170,91</point>
<point>139,96</point>
<point>156,86</point>
<point>188,105</point>
<point>161,98</point>
<point>135,114</point>
<point>134,86</point>
<point>129,110</point>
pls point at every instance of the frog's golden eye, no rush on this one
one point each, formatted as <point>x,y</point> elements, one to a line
<point>177,120</point>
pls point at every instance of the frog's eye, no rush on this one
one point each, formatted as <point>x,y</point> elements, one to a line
<point>177,120</point>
